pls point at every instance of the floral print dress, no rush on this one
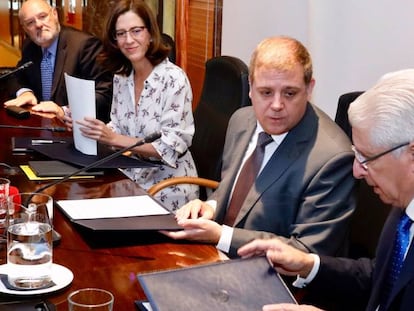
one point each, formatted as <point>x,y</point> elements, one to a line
<point>165,106</point>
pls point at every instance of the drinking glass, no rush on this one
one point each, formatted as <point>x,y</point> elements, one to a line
<point>29,241</point>
<point>4,194</point>
<point>92,299</point>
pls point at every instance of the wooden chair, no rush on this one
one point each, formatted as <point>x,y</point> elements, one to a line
<point>169,41</point>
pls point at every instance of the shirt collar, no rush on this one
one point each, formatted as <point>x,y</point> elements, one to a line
<point>276,138</point>
<point>52,48</point>
<point>410,210</point>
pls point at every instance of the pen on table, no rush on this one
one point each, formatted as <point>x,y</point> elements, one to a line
<point>47,141</point>
<point>42,307</point>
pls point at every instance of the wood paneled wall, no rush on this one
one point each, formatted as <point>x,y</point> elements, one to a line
<point>5,21</point>
<point>200,42</point>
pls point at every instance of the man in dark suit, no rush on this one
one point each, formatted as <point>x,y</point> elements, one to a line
<point>303,194</point>
<point>382,130</point>
<point>71,51</point>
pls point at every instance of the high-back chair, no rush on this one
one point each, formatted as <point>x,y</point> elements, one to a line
<point>370,212</point>
<point>341,117</point>
<point>225,89</point>
<point>169,41</point>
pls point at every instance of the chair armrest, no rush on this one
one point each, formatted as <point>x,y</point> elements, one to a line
<point>182,180</point>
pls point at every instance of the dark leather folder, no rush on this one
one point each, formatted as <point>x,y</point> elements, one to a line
<point>68,153</point>
<point>238,284</point>
<point>141,223</point>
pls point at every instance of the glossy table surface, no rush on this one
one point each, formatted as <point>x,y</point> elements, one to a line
<point>109,260</point>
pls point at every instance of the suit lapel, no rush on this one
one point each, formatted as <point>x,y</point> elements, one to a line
<point>285,155</point>
<point>241,143</point>
<point>59,61</point>
<point>37,57</point>
<point>406,274</point>
<point>383,257</point>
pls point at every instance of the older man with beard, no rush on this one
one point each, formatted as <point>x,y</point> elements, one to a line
<point>68,50</point>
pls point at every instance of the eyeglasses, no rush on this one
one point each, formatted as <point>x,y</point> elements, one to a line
<point>364,160</point>
<point>134,32</point>
<point>41,17</point>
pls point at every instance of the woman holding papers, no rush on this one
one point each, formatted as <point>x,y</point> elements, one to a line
<point>151,94</point>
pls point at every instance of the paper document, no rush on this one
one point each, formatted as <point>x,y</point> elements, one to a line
<point>81,98</point>
<point>132,206</point>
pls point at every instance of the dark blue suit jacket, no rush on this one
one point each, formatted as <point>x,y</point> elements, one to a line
<point>356,284</point>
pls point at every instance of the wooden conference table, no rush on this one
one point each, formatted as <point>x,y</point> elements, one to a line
<point>109,261</point>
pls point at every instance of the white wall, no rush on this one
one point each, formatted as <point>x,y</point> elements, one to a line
<point>352,42</point>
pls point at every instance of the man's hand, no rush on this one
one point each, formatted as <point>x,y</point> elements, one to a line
<point>26,98</point>
<point>202,230</point>
<point>50,107</point>
<point>195,209</point>
<point>289,307</point>
<point>285,259</point>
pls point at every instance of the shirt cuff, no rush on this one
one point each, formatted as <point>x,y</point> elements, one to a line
<point>302,282</point>
<point>22,90</point>
<point>212,203</point>
<point>225,239</point>
<point>66,111</point>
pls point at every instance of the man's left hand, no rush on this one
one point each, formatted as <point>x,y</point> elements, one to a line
<point>50,107</point>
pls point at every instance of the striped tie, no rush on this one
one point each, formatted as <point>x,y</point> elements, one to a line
<point>246,179</point>
<point>46,71</point>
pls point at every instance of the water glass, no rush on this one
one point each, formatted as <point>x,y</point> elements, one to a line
<point>92,299</point>
<point>29,241</point>
<point>4,194</point>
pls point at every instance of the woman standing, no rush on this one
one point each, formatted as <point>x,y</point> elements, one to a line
<point>150,94</point>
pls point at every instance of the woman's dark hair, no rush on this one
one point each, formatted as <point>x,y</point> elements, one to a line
<point>111,57</point>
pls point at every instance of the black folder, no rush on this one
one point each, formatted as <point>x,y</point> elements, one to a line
<point>238,284</point>
<point>55,168</point>
<point>67,152</point>
<point>132,223</point>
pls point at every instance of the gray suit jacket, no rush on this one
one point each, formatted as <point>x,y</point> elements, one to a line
<point>304,195</point>
<point>76,55</point>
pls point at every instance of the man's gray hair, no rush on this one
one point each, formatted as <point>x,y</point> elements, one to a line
<point>386,111</point>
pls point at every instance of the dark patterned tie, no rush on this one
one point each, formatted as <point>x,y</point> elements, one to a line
<point>246,178</point>
<point>402,240</point>
<point>46,71</point>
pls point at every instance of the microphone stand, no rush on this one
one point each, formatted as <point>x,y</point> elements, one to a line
<point>11,72</point>
<point>52,129</point>
<point>148,139</point>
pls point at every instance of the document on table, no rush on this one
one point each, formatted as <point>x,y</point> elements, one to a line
<point>131,206</point>
<point>81,98</point>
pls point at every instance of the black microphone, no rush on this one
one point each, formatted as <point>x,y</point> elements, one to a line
<point>52,129</point>
<point>17,69</point>
<point>148,139</point>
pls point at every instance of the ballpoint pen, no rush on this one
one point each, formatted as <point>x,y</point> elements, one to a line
<point>47,141</point>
